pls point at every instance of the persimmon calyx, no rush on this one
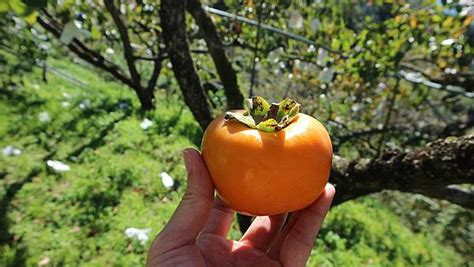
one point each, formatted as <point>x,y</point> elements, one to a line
<point>260,115</point>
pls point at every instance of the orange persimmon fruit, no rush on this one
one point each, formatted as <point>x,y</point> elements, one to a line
<point>269,159</point>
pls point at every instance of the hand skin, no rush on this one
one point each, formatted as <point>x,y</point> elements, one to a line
<point>196,233</point>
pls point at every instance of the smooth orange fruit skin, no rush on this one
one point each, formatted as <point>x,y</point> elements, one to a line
<point>262,173</point>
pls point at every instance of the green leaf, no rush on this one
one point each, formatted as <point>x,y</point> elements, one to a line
<point>346,46</point>
<point>95,32</point>
<point>270,125</point>
<point>335,44</point>
<point>21,8</point>
<point>265,117</point>
<point>285,107</point>
<point>4,6</point>
<point>63,4</point>
<point>259,106</point>
<point>245,119</point>
<point>31,18</point>
<point>18,7</point>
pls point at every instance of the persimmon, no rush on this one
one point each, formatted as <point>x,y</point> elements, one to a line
<point>268,159</point>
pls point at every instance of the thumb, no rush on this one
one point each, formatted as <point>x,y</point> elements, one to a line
<point>192,212</point>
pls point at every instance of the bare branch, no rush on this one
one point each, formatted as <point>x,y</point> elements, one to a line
<point>391,106</point>
<point>157,56</point>
<point>454,194</point>
<point>86,53</point>
<point>146,97</point>
<point>418,76</point>
<point>143,41</point>
<point>224,68</point>
<point>53,23</point>
<point>464,80</point>
<point>435,166</point>
<point>127,48</point>
<point>154,75</point>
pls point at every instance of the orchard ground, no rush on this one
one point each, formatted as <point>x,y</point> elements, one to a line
<point>79,217</point>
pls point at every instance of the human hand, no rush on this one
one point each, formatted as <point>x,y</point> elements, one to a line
<point>196,233</point>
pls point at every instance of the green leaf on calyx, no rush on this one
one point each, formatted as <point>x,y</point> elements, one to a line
<point>287,107</point>
<point>261,115</point>
<point>245,119</point>
<point>269,125</point>
<point>258,108</point>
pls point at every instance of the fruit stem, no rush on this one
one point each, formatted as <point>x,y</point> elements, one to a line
<point>260,115</point>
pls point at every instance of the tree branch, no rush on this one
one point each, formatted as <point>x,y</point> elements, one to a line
<point>454,194</point>
<point>127,48</point>
<point>86,53</point>
<point>464,80</point>
<point>235,99</point>
<point>143,41</point>
<point>419,76</point>
<point>391,106</point>
<point>154,75</point>
<point>146,97</point>
<point>174,34</point>
<point>439,164</point>
<point>157,57</point>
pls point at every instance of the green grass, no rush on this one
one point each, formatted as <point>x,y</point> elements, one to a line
<point>365,232</point>
<point>79,217</point>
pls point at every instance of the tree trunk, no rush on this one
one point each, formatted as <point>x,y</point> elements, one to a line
<point>235,99</point>
<point>146,97</point>
<point>173,23</point>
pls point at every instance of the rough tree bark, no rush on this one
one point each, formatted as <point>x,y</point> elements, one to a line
<point>428,171</point>
<point>172,15</point>
<point>235,99</point>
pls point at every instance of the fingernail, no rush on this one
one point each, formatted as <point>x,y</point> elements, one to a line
<point>330,189</point>
<point>332,185</point>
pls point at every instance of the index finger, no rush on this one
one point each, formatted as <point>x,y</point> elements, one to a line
<point>298,243</point>
<point>220,219</point>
